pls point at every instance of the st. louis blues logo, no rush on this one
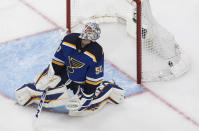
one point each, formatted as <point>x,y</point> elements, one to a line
<point>74,64</point>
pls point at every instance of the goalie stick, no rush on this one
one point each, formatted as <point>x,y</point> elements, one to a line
<point>42,99</point>
<point>41,102</point>
<point>39,108</point>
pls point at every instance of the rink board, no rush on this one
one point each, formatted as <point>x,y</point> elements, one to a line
<point>22,60</point>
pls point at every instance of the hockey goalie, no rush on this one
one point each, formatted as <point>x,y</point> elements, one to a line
<point>74,78</point>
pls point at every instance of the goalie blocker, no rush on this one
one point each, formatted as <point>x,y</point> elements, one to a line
<point>77,102</point>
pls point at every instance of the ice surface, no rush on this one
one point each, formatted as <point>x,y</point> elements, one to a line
<point>171,105</point>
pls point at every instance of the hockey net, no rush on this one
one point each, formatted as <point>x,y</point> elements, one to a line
<point>159,57</point>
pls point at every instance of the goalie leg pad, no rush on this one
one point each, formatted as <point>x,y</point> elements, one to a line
<point>112,91</point>
<point>56,97</point>
<point>117,94</point>
<point>28,94</point>
<point>23,94</point>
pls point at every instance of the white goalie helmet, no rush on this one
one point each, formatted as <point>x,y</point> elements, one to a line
<point>92,35</point>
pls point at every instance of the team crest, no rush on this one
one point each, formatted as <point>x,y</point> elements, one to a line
<point>74,64</point>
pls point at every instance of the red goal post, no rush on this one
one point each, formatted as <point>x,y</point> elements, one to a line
<point>139,42</point>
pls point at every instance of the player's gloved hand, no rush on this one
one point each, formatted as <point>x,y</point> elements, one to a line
<point>80,101</point>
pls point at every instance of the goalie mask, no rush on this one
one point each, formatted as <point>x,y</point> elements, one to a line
<point>91,32</point>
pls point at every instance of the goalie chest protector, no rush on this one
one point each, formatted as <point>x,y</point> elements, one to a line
<point>81,63</point>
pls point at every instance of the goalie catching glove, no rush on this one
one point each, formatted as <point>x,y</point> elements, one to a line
<point>79,101</point>
<point>83,104</point>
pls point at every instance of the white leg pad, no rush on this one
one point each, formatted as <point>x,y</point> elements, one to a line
<point>117,95</point>
<point>23,95</point>
<point>61,100</point>
<point>56,97</point>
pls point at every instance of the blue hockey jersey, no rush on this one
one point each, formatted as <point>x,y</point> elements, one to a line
<point>83,65</point>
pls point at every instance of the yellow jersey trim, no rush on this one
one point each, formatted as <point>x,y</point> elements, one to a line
<point>93,83</point>
<point>57,63</point>
<point>69,45</point>
<point>91,56</point>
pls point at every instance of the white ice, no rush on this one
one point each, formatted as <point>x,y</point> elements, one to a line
<point>165,106</point>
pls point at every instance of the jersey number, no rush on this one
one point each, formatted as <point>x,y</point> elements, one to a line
<point>98,70</point>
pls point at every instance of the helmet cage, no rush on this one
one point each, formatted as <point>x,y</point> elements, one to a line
<point>93,35</point>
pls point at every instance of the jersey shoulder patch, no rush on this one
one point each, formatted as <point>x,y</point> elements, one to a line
<point>95,51</point>
<point>71,40</point>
